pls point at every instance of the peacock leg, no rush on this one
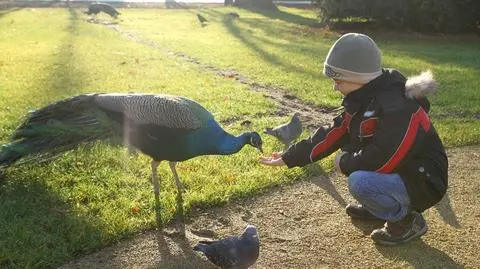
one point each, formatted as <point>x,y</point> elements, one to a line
<point>181,219</point>
<point>156,190</point>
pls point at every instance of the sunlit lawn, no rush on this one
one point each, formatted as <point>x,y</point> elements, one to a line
<point>93,196</point>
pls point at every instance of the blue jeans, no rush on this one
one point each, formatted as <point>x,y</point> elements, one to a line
<point>383,195</point>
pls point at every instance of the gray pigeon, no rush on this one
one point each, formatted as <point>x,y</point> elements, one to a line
<point>233,252</point>
<point>287,132</point>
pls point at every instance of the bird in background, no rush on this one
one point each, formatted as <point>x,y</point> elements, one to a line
<point>164,127</point>
<point>287,132</point>
<point>202,19</point>
<point>232,15</point>
<point>233,252</point>
<point>97,7</point>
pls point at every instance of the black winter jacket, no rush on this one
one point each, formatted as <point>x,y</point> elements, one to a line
<point>385,128</point>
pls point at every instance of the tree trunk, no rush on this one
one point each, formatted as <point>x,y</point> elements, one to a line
<point>259,4</point>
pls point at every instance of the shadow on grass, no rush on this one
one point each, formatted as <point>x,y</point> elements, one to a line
<point>66,79</point>
<point>419,255</point>
<point>285,16</point>
<point>175,4</point>
<point>254,43</point>
<point>251,43</point>
<point>38,229</point>
<point>438,51</point>
<point>7,11</point>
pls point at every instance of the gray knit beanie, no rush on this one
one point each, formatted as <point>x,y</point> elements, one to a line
<point>355,58</point>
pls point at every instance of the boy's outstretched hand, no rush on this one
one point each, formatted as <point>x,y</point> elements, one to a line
<point>274,160</point>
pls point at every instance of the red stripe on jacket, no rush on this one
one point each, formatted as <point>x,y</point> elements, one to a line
<point>333,136</point>
<point>419,118</point>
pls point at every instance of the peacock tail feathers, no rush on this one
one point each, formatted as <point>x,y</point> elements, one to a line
<point>57,128</point>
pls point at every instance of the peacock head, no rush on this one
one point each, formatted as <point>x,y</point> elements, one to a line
<point>255,140</point>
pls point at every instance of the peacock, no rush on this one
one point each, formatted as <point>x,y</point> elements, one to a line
<point>164,127</point>
<point>96,7</point>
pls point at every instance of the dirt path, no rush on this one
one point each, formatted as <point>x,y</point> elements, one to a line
<point>304,226</point>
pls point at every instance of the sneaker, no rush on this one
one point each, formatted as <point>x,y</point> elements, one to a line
<point>359,212</point>
<point>395,233</point>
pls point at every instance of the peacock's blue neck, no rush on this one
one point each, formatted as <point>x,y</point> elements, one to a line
<point>232,144</point>
<point>212,139</point>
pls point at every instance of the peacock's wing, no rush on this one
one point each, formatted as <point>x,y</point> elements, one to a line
<point>163,127</point>
<point>160,110</point>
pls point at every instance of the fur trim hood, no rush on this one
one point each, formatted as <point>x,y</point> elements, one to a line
<point>421,85</point>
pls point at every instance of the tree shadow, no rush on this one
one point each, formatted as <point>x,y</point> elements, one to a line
<point>66,79</point>
<point>251,43</point>
<point>324,182</point>
<point>7,11</point>
<point>38,227</point>
<point>258,43</point>
<point>446,51</point>
<point>284,16</point>
<point>419,255</point>
<point>24,4</point>
<point>175,4</point>
<point>445,210</point>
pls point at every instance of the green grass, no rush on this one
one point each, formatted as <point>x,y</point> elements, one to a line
<point>96,195</point>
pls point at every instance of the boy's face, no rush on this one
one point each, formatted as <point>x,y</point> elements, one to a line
<point>346,87</point>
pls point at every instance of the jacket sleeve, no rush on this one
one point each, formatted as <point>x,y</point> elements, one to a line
<point>401,131</point>
<point>323,142</point>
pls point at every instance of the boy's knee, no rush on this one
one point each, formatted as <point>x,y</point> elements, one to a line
<point>356,183</point>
